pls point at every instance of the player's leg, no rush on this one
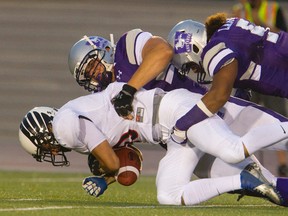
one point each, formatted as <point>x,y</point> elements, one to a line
<point>257,138</point>
<point>249,179</point>
<point>211,167</point>
<point>252,117</point>
<point>230,147</point>
<point>214,137</point>
<point>174,176</point>
<point>174,171</point>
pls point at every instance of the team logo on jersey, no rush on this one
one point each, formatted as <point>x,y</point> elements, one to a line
<point>139,114</point>
<point>182,42</point>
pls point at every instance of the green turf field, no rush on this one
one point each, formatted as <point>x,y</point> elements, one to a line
<point>34,193</point>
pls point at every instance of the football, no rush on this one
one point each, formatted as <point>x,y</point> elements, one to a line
<point>130,164</point>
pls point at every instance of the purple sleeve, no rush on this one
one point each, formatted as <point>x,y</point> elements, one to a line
<point>192,117</point>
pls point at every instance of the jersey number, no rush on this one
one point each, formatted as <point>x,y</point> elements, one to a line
<point>257,30</point>
<point>127,138</point>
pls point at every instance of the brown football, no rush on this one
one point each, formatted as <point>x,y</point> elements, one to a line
<point>130,164</point>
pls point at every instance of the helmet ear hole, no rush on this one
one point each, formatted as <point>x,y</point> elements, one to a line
<point>195,49</point>
<point>107,48</point>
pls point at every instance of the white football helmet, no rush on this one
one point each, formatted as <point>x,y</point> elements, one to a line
<point>188,38</point>
<point>37,138</point>
<point>91,61</point>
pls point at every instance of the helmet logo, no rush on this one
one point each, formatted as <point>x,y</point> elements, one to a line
<point>183,42</point>
<point>98,42</point>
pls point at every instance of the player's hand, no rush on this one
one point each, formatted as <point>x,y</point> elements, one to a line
<point>95,167</point>
<point>179,136</point>
<point>94,185</point>
<point>123,101</point>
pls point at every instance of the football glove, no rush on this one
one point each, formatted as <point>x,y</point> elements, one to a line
<point>94,185</point>
<point>123,100</point>
<point>96,169</point>
<point>179,136</point>
<point>94,166</point>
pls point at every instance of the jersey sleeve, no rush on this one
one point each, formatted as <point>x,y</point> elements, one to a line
<point>135,41</point>
<point>90,135</point>
<point>66,128</point>
<point>217,56</point>
<point>76,133</point>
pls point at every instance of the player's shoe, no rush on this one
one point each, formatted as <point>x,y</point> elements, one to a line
<point>253,180</point>
<point>255,170</point>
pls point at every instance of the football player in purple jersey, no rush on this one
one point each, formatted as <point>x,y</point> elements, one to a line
<point>139,59</point>
<point>236,53</point>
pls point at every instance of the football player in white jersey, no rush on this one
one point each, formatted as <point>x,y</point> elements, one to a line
<point>90,124</point>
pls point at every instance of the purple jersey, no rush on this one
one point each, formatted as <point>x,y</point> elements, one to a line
<point>262,56</point>
<point>126,64</point>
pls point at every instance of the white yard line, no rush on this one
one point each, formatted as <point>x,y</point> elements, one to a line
<point>124,207</point>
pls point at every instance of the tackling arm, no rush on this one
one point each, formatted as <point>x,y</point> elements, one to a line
<point>221,88</point>
<point>156,54</point>
<point>210,103</point>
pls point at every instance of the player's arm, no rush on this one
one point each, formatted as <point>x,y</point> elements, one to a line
<point>96,142</point>
<point>109,162</point>
<point>156,55</point>
<point>209,104</point>
<point>221,88</point>
<point>107,158</point>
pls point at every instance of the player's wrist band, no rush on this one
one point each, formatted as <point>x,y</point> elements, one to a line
<point>197,114</point>
<point>203,107</point>
<point>130,89</point>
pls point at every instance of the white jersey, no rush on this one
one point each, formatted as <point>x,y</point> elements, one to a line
<point>105,124</point>
<point>99,113</point>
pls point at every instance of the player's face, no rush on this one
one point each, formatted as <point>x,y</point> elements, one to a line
<point>53,149</point>
<point>94,68</point>
<point>48,139</point>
